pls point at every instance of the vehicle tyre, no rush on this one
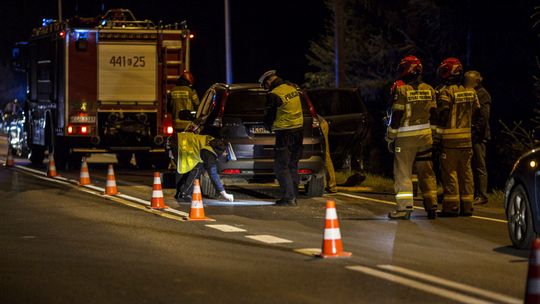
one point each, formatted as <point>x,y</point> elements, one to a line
<point>37,155</point>
<point>144,160</point>
<point>520,222</point>
<point>315,186</point>
<point>207,188</point>
<point>124,159</point>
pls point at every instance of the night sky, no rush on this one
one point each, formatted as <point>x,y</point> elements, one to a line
<point>276,34</point>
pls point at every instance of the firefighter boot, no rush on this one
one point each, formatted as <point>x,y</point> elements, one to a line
<point>431,209</point>
<point>401,214</point>
<point>466,209</point>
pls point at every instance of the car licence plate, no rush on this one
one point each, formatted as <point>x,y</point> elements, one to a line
<point>258,130</point>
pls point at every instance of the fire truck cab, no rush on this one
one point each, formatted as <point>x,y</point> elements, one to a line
<point>100,85</point>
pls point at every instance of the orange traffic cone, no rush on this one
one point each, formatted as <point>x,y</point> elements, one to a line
<point>332,246</point>
<point>110,187</point>
<point>9,158</point>
<point>157,193</point>
<point>84,178</point>
<point>51,171</point>
<point>532,295</point>
<point>197,209</point>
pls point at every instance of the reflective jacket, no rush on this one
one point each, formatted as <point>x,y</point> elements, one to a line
<point>458,105</point>
<point>289,113</point>
<point>189,150</point>
<point>412,110</point>
<point>183,98</point>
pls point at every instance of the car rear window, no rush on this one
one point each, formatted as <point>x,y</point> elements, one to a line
<point>336,102</point>
<point>249,103</point>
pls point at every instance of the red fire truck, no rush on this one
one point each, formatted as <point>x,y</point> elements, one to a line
<point>100,85</point>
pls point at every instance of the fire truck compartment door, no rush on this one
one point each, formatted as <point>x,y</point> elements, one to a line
<point>127,72</point>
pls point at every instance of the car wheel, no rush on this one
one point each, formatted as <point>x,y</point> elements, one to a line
<point>207,188</point>
<point>315,186</point>
<point>520,224</point>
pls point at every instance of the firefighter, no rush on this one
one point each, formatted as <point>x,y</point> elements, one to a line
<point>284,116</point>
<point>331,185</point>
<point>481,134</point>
<point>195,153</point>
<point>456,105</point>
<point>409,137</point>
<point>183,98</point>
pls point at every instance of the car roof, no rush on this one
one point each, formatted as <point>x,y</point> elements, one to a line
<point>241,86</point>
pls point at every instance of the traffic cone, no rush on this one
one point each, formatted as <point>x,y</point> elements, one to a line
<point>51,171</point>
<point>9,158</point>
<point>532,295</point>
<point>332,246</point>
<point>84,178</point>
<point>157,193</point>
<point>110,187</point>
<point>197,209</point>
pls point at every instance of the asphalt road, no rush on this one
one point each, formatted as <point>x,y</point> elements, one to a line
<point>61,243</point>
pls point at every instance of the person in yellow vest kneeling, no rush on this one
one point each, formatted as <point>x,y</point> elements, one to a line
<point>194,153</point>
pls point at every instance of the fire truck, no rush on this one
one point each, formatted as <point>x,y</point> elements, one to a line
<point>99,85</point>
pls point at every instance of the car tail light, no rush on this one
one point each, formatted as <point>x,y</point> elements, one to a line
<point>315,122</point>
<point>305,171</point>
<point>231,171</point>
<point>218,122</point>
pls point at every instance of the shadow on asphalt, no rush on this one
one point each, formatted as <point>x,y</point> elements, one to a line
<point>509,250</point>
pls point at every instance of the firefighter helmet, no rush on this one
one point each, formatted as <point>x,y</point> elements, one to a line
<point>398,83</point>
<point>450,68</point>
<point>410,65</point>
<point>188,77</point>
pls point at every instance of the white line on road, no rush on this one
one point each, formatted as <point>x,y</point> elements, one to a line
<point>226,228</point>
<point>268,239</point>
<point>415,207</point>
<point>452,284</point>
<point>444,293</point>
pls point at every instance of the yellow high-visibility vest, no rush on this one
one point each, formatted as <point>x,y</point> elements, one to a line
<point>289,114</point>
<point>189,150</point>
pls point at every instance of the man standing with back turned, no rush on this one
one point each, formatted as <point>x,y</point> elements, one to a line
<point>284,117</point>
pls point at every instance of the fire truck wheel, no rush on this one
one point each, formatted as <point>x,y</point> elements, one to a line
<point>124,159</point>
<point>37,154</point>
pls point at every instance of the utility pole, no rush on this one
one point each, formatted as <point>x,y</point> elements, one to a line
<point>228,53</point>
<point>339,63</point>
<point>60,11</point>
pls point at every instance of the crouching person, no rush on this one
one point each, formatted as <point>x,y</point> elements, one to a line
<point>194,153</point>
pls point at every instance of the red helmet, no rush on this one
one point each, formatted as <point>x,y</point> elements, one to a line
<point>409,65</point>
<point>398,83</point>
<point>450,68</point>
<point>188,77</point>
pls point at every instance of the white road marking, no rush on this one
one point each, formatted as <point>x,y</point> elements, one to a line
<point>441,292</point>
<point>268,239</point>
<point>451,284</point>
<point>415,207</point>
<point>226,228</point>
<point>309,251</point>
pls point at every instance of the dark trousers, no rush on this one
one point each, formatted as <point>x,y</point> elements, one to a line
<point>288,151</point>
<point>185,182</point>
<point>480,170</point>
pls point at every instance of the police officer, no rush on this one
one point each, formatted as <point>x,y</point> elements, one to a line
<point>409,137</point>
<point>456,105</point>
<point>195,153</point>
<point>284,117</point>
<point>481,134</point>
<point>183,98</point>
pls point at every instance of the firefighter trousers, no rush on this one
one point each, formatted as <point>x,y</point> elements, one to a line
<point>404,160</point>
<point>457,180</point>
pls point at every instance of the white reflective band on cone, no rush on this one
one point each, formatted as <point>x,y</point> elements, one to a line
<point>111,183</point>
<point>331,214</point>
<point>85,174</point>
<point>157,180</point>
<point>533,286</point>
<point>332,234</point>
<point>196,189</point>
<point>197,205</point>
<point>157,193</point>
